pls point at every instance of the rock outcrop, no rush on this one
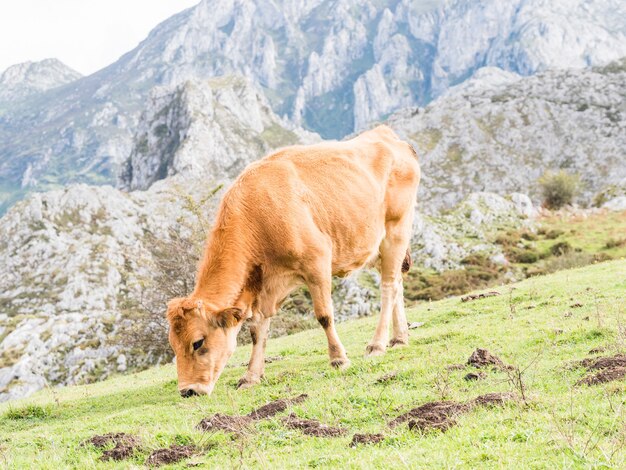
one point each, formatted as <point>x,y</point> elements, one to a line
<point>213,128</point>
<point>500,132</point>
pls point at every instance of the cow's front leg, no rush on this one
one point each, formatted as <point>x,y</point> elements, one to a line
<point>259,330</point>
<point>320,288</point>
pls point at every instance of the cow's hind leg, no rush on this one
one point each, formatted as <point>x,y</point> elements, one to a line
<point>259,330</point>
<point>320,286</point>
<point>392,256</point>
<point>400,326</point>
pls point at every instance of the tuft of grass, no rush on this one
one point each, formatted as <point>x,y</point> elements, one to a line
<point>28,412</point>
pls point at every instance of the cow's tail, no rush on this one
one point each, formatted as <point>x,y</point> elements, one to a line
<point>408,262</point>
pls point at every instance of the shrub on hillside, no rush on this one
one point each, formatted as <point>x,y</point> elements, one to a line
<point>478,272</point>
<point>559,188</point>
<point>560,248</point>
<point>615,243</point>
<point>170,272</point>
<point>572,259</point>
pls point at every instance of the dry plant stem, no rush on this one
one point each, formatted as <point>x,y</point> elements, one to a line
<point>598,316</point>
<point>515,376</point>
<point>442,383</point>
<point>511,303</point>
<point>621,331</point>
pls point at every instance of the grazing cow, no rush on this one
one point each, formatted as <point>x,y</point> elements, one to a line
<point>298,216</point>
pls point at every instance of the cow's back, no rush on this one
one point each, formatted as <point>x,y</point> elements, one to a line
<point>341,192</point>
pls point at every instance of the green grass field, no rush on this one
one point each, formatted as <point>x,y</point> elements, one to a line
<point>532,325</point>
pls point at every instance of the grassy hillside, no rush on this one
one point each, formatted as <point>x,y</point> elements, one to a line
<point>541,326</point>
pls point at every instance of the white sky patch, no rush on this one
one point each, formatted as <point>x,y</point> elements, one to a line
<point>86,35</point>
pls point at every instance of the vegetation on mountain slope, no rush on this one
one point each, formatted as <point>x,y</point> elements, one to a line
<point>539,328</point>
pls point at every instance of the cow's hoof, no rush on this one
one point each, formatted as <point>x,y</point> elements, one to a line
<point>247,382</point>
<point>374,350</point>
<point>340,363</point>
<point>398,342</point>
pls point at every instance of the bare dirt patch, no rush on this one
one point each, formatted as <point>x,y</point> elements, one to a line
<point>366,439</point>
<point>484,295</point>
<point>275,407</point>
<point>604,376</point>
<point>115,438</point>
<point>608,369</point>
<point>312,427</point>
<point>436,415</point>
<point>597,363</point>
<point>494,399</point>
<point>119,452</point>
<point>124,445</point>
<point>172,454</point>
<point>236,424</point>
<point>270,359</point>
<point>441,415</point>
<point>220,422</point>
<point>482,358</point>
<point>475,376</point>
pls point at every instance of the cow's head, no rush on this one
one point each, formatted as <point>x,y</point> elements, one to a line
<point>203,341</point>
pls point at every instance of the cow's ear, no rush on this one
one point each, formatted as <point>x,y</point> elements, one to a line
<point>227,318</point>
<point>179,307</point>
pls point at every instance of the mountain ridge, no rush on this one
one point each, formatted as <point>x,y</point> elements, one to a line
<point>28,78</point>
<point>331,67</point>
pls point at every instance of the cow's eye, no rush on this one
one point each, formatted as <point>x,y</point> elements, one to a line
<point>198,344</point>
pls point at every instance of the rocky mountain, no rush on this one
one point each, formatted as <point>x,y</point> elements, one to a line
<point>330,66</point>
<point>23,80</point>
<point>72,259</point>
<point>213,128</point>
<point>500,132</point>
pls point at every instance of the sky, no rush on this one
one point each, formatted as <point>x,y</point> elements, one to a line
<point>86,35</point>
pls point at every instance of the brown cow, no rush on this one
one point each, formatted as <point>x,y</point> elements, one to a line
<point>300,215</point>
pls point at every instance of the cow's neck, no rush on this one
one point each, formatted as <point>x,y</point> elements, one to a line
<point>224,270</point>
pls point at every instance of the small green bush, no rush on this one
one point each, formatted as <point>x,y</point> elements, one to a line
<point>559,188</point>
<point>553,234</point>
<point>560,248</point>
<point>615,243</point>
<point>524,255</point>
<point>529,236</point>
<point>510,238</point>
